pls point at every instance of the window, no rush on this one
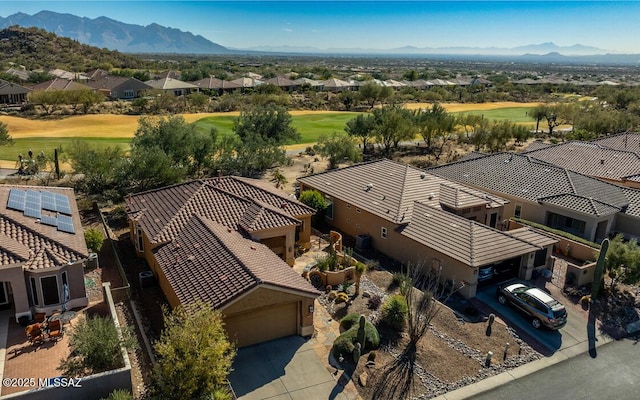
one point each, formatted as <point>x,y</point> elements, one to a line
<point>34,292</point>
<point>128,93</point>
<point>139,239</point>
<point>383,232</point>
<point>50,294</point>
<point>518,212</point>
<point>329,210</point>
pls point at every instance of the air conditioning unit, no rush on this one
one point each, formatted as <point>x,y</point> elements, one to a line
<point>146,279</point>
<point>363,242</point>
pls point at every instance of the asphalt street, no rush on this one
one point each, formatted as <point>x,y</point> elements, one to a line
<point>612,374</point>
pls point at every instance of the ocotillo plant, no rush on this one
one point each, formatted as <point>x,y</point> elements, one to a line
<point>599,272</point>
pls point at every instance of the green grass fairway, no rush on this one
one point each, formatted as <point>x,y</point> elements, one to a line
<point>518,115</point>
<point>38,144</point>
<point>310,126</point>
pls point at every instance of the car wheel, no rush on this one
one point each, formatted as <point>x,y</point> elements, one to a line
<point>502,299</point>
<point>536,323</point>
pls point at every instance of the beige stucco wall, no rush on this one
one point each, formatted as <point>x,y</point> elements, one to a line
<point>304,237</point>
<point>14,275</point>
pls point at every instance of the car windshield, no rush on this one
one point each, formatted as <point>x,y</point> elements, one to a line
<point>559,313</point>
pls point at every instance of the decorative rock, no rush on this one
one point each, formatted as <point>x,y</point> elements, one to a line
<point>370,364</point>
<point>333,294</point>
<point>362,378</point>
<point>366,294</point>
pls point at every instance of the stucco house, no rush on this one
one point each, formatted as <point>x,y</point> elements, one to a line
<point>618,166</point>
<point>11,93</point>
<point>119,87</point>
<point>547,194</point>
<point>417,217</point>
<point>42,250</point>
<point>171,85</point>
<point>229,241</point>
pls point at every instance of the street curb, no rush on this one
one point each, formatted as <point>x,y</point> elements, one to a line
<point>504,378</point>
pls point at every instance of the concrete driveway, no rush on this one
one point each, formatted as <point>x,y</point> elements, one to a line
<point>573,333</point>
<point>282,369</point>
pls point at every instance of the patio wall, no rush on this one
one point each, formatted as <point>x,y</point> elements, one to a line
<point>92,387</point>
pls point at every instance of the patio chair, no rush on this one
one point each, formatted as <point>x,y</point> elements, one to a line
<point>39,317</point>
<point>56,330</point>
<point>34,333</point>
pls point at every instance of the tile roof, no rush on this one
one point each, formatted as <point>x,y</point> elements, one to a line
<point>536,145</point>
<point>623,141</point>
<point>238,203</point>
<point>215,83</point>
<point>388,189</point>
<point>532,235</point>
<point>170,84</point>
<point>581,204</point>
<point>212,263</point>
<point>590,159</point>
<point>25,240</point>
<point>465,240</point>
<point>7,87</point>
<point>524,177</point>
<point>60,84</point>
<point>112,82</point>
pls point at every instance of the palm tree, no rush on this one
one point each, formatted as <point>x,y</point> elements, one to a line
<point>278,178</point>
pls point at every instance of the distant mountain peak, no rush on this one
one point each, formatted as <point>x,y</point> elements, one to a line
<point>104,32</point>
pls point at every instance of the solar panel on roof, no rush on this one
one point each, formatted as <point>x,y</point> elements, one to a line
<point>65,224</point>
<point>32,212</point>
<point>62,204</point>
<point>49,220</point>
<point>16,199</point>
<point>48,201</point>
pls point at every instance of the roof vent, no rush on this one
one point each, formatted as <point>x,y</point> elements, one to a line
<point>602,161</point>
<point>369,187</point>
<point>422,175</point>
<point>253,247</point>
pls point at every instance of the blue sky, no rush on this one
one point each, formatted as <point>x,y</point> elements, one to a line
<point>610,25</point>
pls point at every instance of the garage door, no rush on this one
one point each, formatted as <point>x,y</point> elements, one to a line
<point>262,325</point>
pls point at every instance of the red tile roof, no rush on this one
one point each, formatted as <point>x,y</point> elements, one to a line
<point>25,240</point>
<point>216,264</point>
<point>238,203</point>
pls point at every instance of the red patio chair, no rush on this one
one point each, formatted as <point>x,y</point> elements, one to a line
<point>56,331</point>
<point>34,333</point>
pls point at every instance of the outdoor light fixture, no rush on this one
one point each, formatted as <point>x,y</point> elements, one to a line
<point>311,309</point>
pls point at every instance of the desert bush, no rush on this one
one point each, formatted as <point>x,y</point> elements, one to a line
<point>374,302</point>
<point>342,297</point>
<point>394,312</point>
<point>119,394</point>
<point>344,287</point>
<point>95,346</point>
<point>345,343</point>
<point>94,239</point>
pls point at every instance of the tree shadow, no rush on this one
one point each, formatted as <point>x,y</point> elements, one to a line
<point>396,379</point>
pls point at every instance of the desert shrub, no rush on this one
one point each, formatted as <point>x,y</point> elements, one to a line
<point>342,297</point>
<point>119,394</point>
<point>95,347</point>
<point>94,239</point>
<point>345,343</point>
<point>401,280</point>
<point>394,312</point>
<point>374,302</point>
<point>344,287</point>
<point>117,217</point>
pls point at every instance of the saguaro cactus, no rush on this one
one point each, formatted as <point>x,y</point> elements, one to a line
<point>599,272</point>
<point>361,332</point>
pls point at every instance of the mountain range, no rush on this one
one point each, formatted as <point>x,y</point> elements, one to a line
<point>107,33</point>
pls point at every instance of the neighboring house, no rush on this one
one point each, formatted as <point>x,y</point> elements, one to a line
<point>551,195</point>
<point>72,76</point>
<point>225,241</point>
<point>589,158</point>
<point>61,84</point>
<point>119,87</point>
<point>247,83</point>
<point>42,250</point>
<point>11,93</point>
<point>96,74</point>
<point>336,85</point>
<point>21,73</point>
<point>306,82</point>
<point>622,142</point>
<point>214,84</point>
<point>175,86</point>
<point>283,83</point>
<point>417,217</point>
